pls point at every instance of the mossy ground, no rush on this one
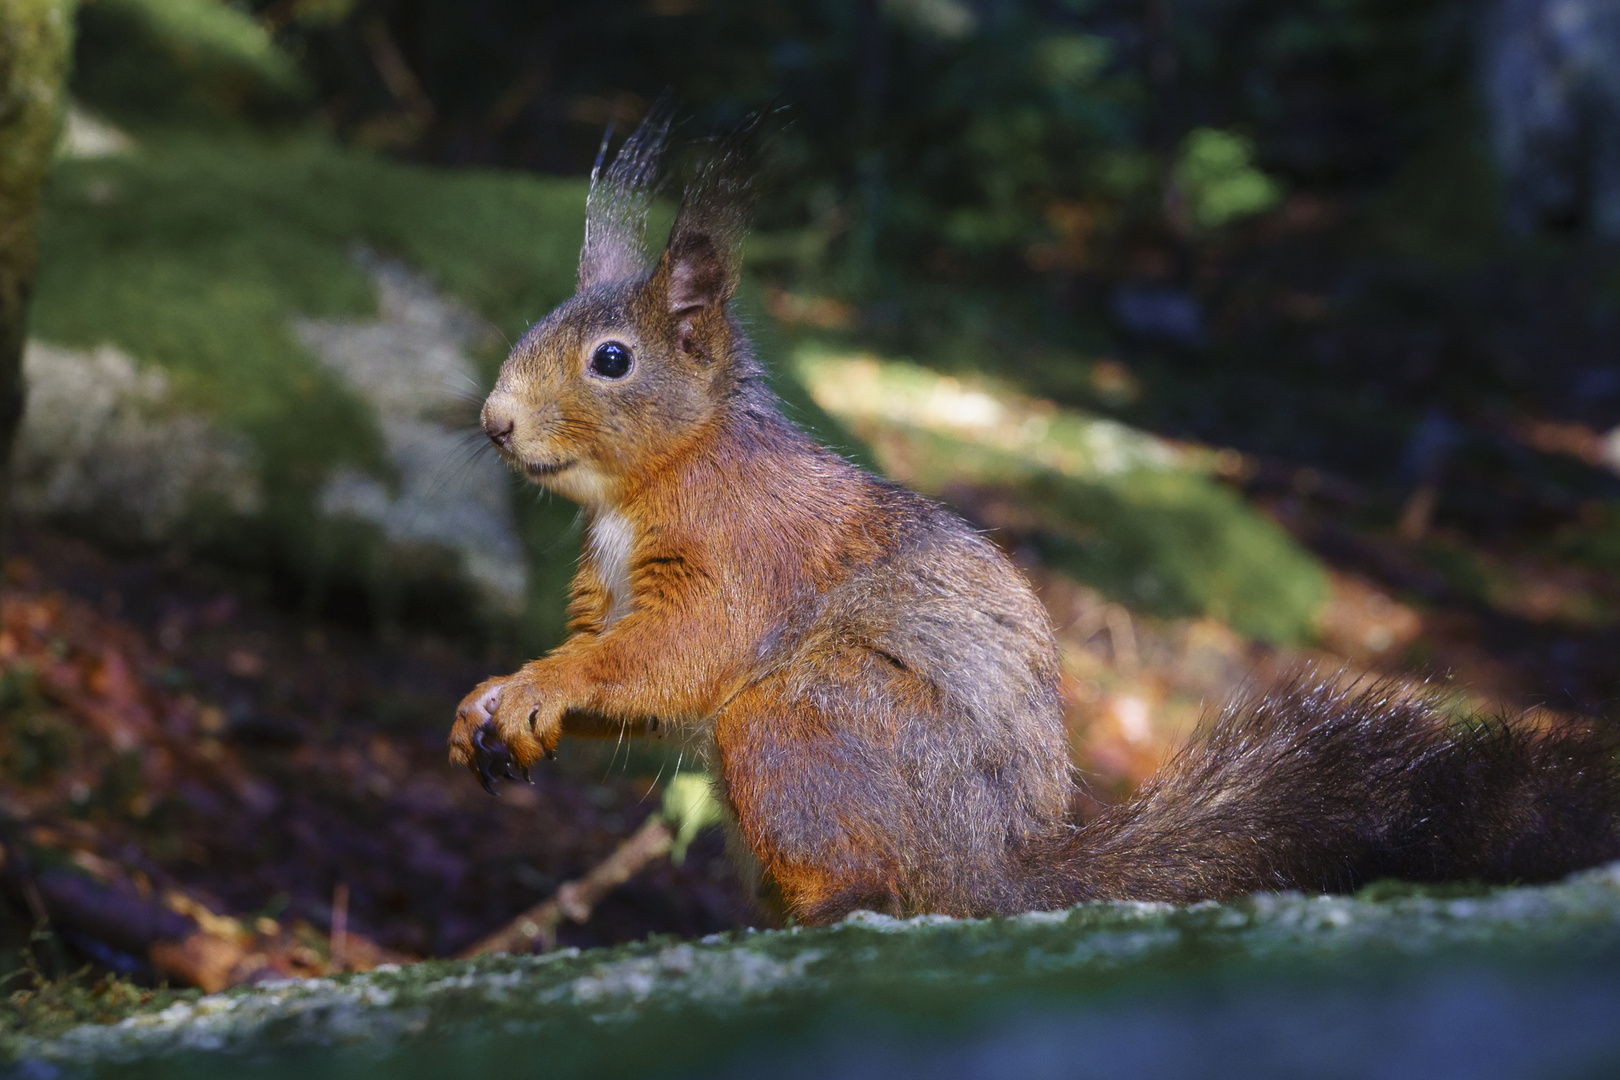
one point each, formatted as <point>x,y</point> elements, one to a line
<point>1494,982</point>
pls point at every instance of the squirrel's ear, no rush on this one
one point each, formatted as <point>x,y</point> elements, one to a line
<point>695,278</point>
<point>700,272</point>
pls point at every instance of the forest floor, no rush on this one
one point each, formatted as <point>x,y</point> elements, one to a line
<point>171,739</point>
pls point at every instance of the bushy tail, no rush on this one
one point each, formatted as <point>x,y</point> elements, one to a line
<point>1322,789</point>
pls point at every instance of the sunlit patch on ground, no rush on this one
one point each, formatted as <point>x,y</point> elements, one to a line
<point>878,395</point>
<point>1136,517</point>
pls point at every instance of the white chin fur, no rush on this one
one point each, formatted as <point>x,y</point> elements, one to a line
<point>582,484</point>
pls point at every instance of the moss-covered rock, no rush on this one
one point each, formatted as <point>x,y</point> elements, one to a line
<point>1396,981</point>
<point>101,445</point>
<point>225,267</point>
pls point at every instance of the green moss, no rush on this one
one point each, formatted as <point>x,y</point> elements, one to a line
<point>195,253</point>
<point>1392,889</point>
<point>35,40</point>
<point>1594,541</point>
<point>40,1004</point>
<point>1178,544</point>
<point>141,60</point>
<point>1108,504</point>
<point>1119,978</point>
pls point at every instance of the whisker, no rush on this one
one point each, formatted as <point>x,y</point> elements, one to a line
<point>474,391</point>
<point>615,756</point>
<point>456,468</point>
<point>652,785</point>
<point>491,324</point>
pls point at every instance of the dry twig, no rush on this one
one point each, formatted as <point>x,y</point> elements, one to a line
<point>576,899</point>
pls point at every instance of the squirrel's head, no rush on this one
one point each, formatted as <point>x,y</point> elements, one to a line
<point>641,359</point>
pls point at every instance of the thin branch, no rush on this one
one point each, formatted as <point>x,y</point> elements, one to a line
<point>536,929</point>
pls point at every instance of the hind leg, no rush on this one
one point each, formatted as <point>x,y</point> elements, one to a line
<point>816,896</point>
<point>818,800</point>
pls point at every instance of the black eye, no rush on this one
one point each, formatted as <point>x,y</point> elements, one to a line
<point>610,360</point>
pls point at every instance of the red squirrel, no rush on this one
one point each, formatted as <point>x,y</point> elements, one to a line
<point>876,682</point>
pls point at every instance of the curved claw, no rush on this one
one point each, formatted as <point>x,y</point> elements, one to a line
<point>490,755</point>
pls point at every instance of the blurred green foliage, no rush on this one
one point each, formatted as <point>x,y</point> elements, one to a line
<point>1594,541</point>
<point>938,134</point>
<point>1177,544</point>
<point>35,999</point>
<point>197,60</point>
<point>195,253</point>
<point>1108,505</point>
<point>35,738</point>
<point>1008,145</point>
<point>1216,176</point>
<point>36,39</point>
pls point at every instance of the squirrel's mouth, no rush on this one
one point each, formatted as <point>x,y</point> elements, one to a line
<point>544,469</point>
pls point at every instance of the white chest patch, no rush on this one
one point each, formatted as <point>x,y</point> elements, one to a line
<point>611,541</point>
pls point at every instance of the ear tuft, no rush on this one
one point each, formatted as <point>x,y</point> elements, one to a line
<point>703,259</point>
<point>616,208</point>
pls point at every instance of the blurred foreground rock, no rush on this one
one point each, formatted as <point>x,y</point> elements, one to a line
<point>1394,982</point>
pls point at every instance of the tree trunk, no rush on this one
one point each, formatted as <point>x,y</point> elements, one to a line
<point>35,48</point>
<point>1549,71</point>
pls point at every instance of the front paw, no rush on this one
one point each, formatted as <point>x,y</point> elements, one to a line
<point>501,728</point>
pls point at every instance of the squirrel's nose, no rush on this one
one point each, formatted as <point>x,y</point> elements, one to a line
<point>499,429</point>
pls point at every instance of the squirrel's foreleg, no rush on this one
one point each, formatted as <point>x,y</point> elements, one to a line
<point>642,668</point>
